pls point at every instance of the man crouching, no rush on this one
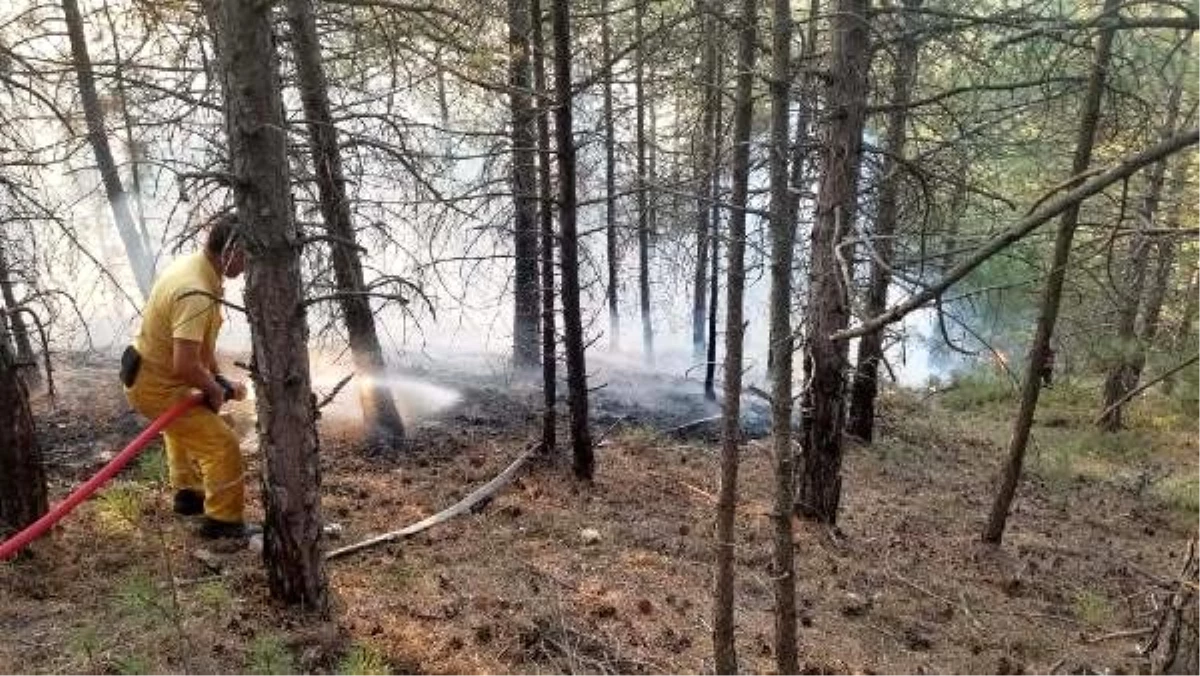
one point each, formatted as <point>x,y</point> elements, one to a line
<point>174,353</point>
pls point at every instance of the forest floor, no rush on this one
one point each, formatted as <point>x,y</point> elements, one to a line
<point>903,584</point>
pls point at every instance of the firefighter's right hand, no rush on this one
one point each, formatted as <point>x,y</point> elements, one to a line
<point>214,396</point>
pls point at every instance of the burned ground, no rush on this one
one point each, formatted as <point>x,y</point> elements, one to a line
<point>903,585</point>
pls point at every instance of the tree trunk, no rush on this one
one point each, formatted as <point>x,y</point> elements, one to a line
<point>546,226</point>
<point>384,426</point>
<point>26,357</point>
<point>581,436</point>
<point>118,200</point>
<point>275,306</point>
<point>1164,267</point>
<point>1130,351</point>
<point>865,382</point>
<point>783,244</point>
<point>1031,386</point>
<point>714,260</point>
<point>823,416</point>
<point>527,292</point>
<point>724,623</point>
<point>704,170</point>
<point>22,478</point>
<point>612,288</point>
<point>643,229</point>
<point>1191,308</point>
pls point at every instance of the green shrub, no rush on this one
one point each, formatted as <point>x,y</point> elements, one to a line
<point>269,655</point>
<point>363,660</point>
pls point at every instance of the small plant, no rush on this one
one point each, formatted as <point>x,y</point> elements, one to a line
<point>269,655</point>
<point>133,664</point>
<point>151,468</point>
<point>214,596</point>
<point>1180,493</point>
<point>141,603</point>
<point>120,507</point>
<point>978,389</point>
<point>85,643</point>
<point>363,660</point>
<point>1092,607</point>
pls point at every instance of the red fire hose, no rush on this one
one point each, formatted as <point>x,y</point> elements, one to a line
<point>16,543</point>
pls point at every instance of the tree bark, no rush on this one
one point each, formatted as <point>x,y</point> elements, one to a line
<point>384,426</point>
<point>527,292</point>
<point>22,478</point>
<point>704,170</point>
<point>724,650</point>
<point>577,395</point>
<point>275,306</point>
<point>612,288</point>
<point>1031,386</point>
<point>865,382</point>
<point>118,199</point>
<point>823,416</point>
<point>783,244</point>
<point>643,229</point>
<point>546,227</point>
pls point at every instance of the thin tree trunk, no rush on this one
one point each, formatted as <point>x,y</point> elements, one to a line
<point>806,106</point>
<point>1031,386</point>
<point>134,151</point>
<point>1187,319</point>
<point>612,288</point>
<point>714,277</point>
<point>577,395</point>
<point>724,622</point>
<point>643,229</point>
<point>865,382</point>
<point>384,426</point>
<point>704,170</point>
<point>275,306</point>
<point>527,293</point>
<point>823,414</point>
<point>1164,267</point>
<point>118,200</point>
<point>546,226</point>
<point>22,478</point>
<point>1130,351</point>
<point>26,357</point>
<point>783,244</point>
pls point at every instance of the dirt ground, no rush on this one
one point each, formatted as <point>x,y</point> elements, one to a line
<point>903,585</point>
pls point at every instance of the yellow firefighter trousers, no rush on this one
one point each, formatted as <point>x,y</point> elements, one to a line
<point>202,450</point>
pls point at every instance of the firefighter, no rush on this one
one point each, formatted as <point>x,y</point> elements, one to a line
<point>175,353</point>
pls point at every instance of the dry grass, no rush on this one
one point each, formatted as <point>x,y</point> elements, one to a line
<point>516,588</point>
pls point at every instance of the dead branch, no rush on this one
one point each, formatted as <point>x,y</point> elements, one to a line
<point>459,508</point>
<point>1133,393</point>
<point>1127,633</point>
<point>328,398</point>
<point>692,423</point>
<point>1128,166</point>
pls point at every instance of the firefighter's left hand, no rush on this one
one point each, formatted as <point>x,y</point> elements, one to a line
<point>239,390</point>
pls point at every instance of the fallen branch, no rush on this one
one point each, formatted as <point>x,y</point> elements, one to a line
<point>1133,393</point>
<point>1128,633</point>
<point>692,423</point>
<point>459,508</point>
